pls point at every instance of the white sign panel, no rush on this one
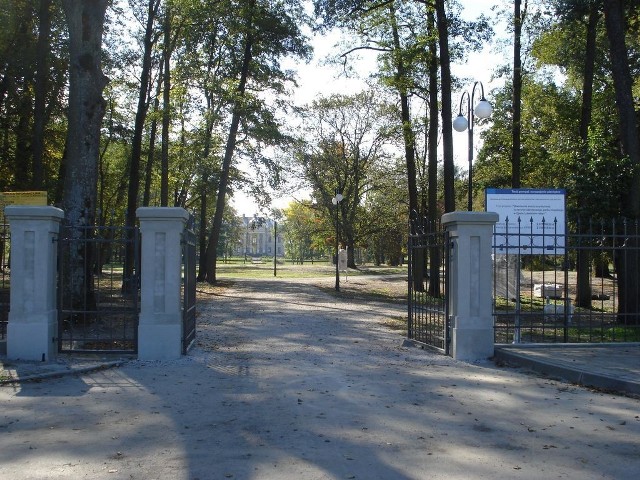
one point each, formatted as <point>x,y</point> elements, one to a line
<point>342,260</point>
<point>530,220</point>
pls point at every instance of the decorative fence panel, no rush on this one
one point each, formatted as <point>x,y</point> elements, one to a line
<point>188,286</point>
<point>98,289</point>
<point>582,286</point>
<point>428,318</point>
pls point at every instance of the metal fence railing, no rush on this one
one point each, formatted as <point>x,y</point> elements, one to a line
<point>577,284</point>
<point>98,289</point>
<point>189,245</point>
<point>428,315</point>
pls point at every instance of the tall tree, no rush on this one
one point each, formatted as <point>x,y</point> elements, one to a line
<point>628,262</point>
<point>214,236</point>
<point>432,210</point>
<point>166,106</point>
<point>401,81</point>
<point>622,81</point>
<point>349,138</point>
<point>85,20</point>
<point>267,31</point>
<point>447,128</point>
<point>518,18</point>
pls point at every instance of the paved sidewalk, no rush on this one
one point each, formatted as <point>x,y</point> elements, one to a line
<point>291,382</point>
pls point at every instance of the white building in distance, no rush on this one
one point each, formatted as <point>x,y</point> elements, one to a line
<point>257,238</point>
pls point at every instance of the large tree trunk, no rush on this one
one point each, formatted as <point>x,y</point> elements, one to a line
<point>583,293</point>
<point>447,128</point>
<point>627,265</point>
<point>622,81</point>
<point>85,20</point>
<point>214,237</point>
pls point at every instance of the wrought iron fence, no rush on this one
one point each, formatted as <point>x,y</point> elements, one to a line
<point>577,286</point>
<point>189,243</point>
<point>5,279</point>
<point>98,289</point>
<point>427,284</point>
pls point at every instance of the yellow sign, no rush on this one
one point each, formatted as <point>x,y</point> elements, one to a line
<point>34,198</point>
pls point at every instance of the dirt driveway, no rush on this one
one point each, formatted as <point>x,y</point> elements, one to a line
<point>290,381</point>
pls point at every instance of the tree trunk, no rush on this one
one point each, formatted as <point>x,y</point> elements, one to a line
<point>583,290</point>
<point>151,154</point>
<point>407,130</point>
<point>409,145</point>
<point>166,120</point>
<point>447,128</point>
<point>23,133</point>
<point>432,214</point>
<point>136,143</point>
<point>516,126</point>
<point>622,81</point>
<point>202,241</point>
<point>85,20</point>
<point>627,265</point>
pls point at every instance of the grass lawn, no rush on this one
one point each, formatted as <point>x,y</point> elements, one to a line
<point>287,270</point>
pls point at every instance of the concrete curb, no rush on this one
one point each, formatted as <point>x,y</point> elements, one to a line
<point>61,371</point>
<point>573,374</point>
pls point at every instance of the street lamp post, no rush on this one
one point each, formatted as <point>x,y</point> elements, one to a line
<point>336,201</point>
<point>462,123</point>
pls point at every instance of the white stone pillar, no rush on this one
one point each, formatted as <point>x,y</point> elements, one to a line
<point>470,281</point>
<point>33,316</point>
<point>160,325</point>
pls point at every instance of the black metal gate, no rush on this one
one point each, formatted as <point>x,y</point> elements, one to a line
<point>5,280</point>
<point>98,289</point>
<point>428,316</point>
<point>188,287</point>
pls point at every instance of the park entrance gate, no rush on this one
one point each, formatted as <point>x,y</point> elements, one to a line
<point>98,289</point>
<point>428,315</point>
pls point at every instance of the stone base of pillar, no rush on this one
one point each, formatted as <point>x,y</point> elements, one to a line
<point>471,344</point>
<point>159,342</point>
<point>33,340</point>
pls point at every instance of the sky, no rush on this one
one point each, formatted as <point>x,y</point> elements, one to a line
<point>316,79</point>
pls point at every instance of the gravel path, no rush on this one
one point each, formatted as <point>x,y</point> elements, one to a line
<point>289,381</point>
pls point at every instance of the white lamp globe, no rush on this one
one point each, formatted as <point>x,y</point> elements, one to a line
<point>339,197</point>
<point>460,123</point>
<point>483,109</point>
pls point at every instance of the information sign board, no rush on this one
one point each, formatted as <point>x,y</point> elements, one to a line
<point>531,220</point>
<point>37,198</point>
